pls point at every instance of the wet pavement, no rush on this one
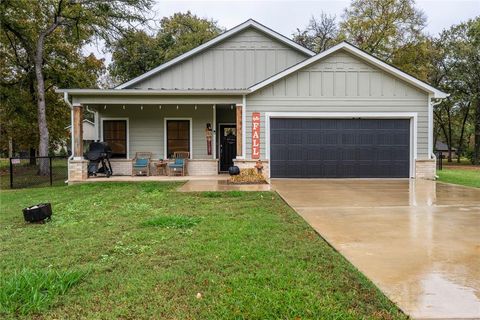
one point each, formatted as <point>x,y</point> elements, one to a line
<point>417,240</point>
<point>220,185</point>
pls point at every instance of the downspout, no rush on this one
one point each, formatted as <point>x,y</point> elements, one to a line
<point>430,127</point>
<point>432,154</point>
<point>65,98</point>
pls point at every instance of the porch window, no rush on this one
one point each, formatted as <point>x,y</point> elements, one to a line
<point>115,134</point>
<point>178,136</point>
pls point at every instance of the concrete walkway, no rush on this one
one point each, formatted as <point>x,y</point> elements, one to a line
<point>220,185</point>
<point>418,241</point>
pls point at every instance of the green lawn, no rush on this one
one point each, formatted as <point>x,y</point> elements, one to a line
<point>145,251</point>
<point>466,177</point>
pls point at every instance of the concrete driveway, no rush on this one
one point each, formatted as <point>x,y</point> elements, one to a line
<point>418,241</point>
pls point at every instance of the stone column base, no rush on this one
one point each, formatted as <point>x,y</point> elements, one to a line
<point>425,169</point>
<point>77,170</point>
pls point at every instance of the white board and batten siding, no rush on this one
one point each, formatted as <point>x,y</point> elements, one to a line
<point>235,63</point>
<point>340,83</point>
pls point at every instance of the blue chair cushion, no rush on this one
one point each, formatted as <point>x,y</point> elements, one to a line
<point>174,165</point>
<point>141,163</point>
<point>179,161</point>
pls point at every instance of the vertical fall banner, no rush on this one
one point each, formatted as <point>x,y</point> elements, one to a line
<point>256,135</point>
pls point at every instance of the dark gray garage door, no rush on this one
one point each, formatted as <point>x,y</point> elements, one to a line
<point>339,148</point>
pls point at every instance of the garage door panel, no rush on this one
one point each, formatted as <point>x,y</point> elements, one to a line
<point>339,148</point>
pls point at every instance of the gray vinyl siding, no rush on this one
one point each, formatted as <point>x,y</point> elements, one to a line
<point>146,127</point>
<point>236,63</point>
<point>339,83</point>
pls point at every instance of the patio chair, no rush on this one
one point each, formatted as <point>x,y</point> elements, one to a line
<point>180,163</point>
<point>141,163</point>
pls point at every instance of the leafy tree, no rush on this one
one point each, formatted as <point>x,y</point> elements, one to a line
<point>137,52</point>
<point>383,27</point>
<point>456,69</point>
<point>320,34</point>
<point>35,30</point>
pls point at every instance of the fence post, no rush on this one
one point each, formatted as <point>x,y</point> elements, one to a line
<point>11,173</point>
<point>51,178</point>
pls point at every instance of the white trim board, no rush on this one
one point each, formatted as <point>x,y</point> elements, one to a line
<point>128,130</point>
<point>360,54</point>
<point>348,115</point>
<point>165,135</point>
<point>214,41</point>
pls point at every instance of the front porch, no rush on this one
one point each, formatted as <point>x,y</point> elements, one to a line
<point>211,133</point>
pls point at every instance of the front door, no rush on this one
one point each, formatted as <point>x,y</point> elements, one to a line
<point>228,145</point>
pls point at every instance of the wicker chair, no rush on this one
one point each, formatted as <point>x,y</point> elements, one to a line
<point>180,162</point>
<point>141,163</point>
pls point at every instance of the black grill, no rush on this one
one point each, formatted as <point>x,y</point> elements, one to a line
<point>99,153</point>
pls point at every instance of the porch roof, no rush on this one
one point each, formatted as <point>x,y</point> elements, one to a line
<point>132,92</point>
<point>145,97</point>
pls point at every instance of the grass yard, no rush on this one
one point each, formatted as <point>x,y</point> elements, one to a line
<point>145,251</point>
<point>465,176</point>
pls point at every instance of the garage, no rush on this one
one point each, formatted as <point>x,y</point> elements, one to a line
<point>339,148</point>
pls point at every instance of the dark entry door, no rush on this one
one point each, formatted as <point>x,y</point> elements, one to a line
<point>339,148</point>
<point>228,145</point>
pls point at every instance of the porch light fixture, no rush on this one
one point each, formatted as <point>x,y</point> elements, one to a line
<point>141,107</point>
<point>177,106</point>
<point>231,107</point>
<point>123,107</point>
<point>105,107</point>
<point>160,107</point>
<point>195,107</point>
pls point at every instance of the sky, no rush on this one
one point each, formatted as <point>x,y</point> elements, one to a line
<point>286,16</point>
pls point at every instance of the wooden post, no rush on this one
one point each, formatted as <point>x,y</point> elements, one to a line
<point>78,132</point>
<point>239,129</point>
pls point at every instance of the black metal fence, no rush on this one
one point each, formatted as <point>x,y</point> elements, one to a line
<point>26,172</point>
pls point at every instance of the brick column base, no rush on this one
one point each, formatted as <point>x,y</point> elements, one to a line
<point>77,170</point>
<point>425,169</point>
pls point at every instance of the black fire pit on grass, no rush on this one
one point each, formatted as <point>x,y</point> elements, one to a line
<point>38,213</point>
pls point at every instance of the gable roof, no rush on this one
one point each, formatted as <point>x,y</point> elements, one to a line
<point>360,54</point>
<point>227,34</point>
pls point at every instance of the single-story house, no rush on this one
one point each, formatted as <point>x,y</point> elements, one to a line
<point>253,94</point>
<point>443,149</point>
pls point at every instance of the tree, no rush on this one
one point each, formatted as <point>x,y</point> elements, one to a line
<point>137,52</point>
<point>383,27</point>
<point>320,34</point>
<point>33,26</point>
<point>456,69</point>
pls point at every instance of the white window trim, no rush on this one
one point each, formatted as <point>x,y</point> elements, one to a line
<point>165,136</point>
<point>348,115</point>
<point>128,131</point>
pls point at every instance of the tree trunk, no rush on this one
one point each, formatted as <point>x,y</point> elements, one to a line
<point>44,167</point>
<point>10,147</point>
<point>462,133</point>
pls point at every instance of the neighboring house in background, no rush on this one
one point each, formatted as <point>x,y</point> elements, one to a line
<point>88,135</point>
<point>251,94</point>
<point>443,148</point>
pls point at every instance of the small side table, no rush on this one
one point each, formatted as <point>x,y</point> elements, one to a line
<point>162,168</point>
